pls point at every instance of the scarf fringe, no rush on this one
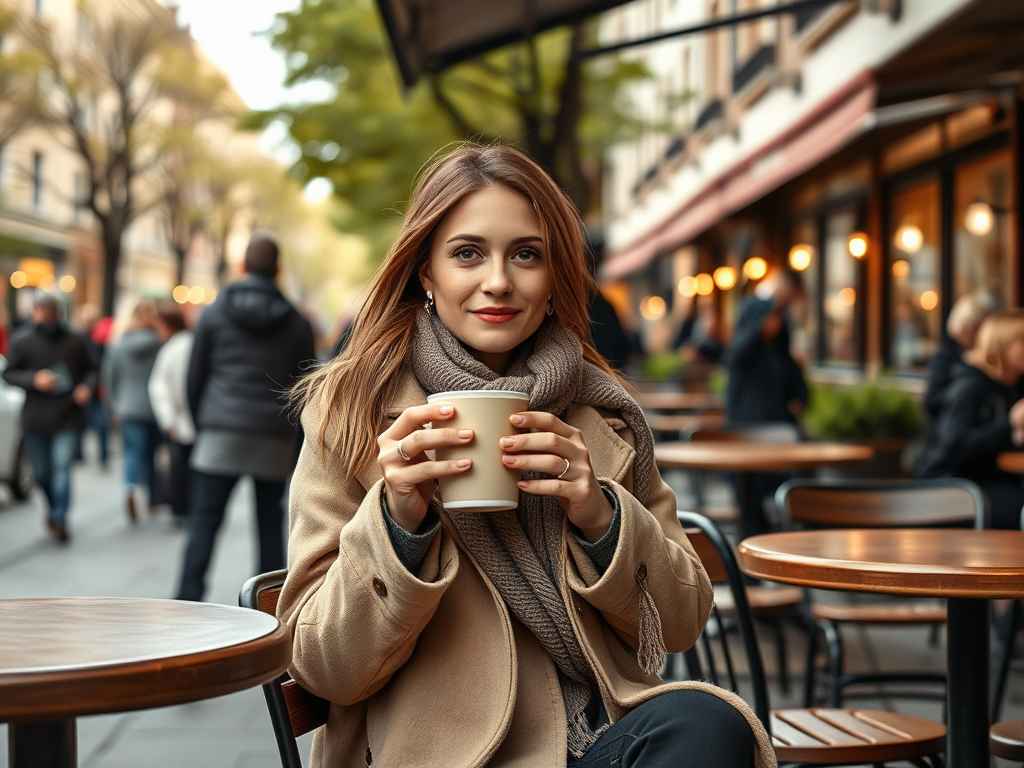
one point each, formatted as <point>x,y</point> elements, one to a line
<point>579,737</point>
<point>651,653</point>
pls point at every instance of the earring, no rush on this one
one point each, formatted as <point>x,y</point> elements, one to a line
<point>551,306</point>
<point>429,302</point>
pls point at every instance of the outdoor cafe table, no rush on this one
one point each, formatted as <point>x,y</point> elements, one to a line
<point>967,567</point>
<point>1011,461</point>
<point>679,401</point>
<point>65,657</point>
<point>748,458</point>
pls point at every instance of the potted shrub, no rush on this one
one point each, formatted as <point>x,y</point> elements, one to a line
<point>884,418</point>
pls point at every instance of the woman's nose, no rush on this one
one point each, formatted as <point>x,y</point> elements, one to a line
<point>496,280</point>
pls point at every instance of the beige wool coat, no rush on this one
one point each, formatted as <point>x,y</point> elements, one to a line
<point>430,669</point>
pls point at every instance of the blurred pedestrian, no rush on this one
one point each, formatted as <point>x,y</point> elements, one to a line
<point>697,338</point>
<point>962,326</point>
<point>55,368</point>
<point>250,346</point>
<point>765,382</point>
<point>982,415</point>
<point>5,330</point>
<point>126,371</point>
<point>96,331</point>
<point>169,397</point>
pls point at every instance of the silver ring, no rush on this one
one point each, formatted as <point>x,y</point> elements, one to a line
<point>564,470</point>
<point>401,452</point>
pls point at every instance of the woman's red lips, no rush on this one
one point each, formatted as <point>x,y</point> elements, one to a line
<point>496,314</point>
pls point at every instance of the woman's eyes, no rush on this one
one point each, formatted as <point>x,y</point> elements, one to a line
<point>523,255</point>
<point>526,254</point>
<point>465,254</point>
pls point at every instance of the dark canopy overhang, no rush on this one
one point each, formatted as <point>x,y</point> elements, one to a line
<point>430,35</point>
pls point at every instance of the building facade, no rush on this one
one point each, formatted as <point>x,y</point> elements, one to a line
<point>873,145</point>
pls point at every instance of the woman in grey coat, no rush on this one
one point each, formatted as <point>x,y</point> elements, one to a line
<point>126,371</point>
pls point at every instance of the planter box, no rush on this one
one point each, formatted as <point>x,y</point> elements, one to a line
<point>887,463</point>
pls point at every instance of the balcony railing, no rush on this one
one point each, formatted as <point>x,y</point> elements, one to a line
<point>712,111</point>
<point>675,148</point>
<point>763,58</point>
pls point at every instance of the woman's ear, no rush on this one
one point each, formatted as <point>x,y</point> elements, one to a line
<point>425,279</point>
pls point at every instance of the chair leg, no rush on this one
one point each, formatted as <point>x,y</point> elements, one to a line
<point>1009,644</point>
<point>811,671</point>
<point>834,643</point>
<point>781,651</point>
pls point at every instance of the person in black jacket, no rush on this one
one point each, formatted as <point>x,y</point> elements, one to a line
<point>961,329</point>
<point>982,415</point>
<point>55,368</point>
<point>765,382</point>
<point>249,348</point>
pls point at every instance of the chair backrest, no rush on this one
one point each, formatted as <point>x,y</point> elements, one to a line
<point>719,560</point>
<point>294,711</point>
<point>881,503</point>
<point>767,432</point>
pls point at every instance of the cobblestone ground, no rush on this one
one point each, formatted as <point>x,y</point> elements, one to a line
<point>110,556</point>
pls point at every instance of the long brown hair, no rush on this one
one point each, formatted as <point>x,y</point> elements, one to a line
<point>353,390</point>
<point>996,333</point>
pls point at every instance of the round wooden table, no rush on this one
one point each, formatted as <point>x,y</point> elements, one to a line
<point>677,423</point>
<point>679,401</point>
<point>1011,461</point>
<point>749,458</point>
<point>65,657</point>
<point>967,567</point>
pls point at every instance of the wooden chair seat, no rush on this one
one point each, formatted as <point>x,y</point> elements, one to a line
<point>900,613</point>
<point>852,736</point>
<point>1006,740</point>
<point>764,601</point>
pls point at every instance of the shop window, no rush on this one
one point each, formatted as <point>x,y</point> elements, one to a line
<point>915,148</point>
<point>806,341</point>
<point>842,290</point>
<point>915,280</point>
<point>982,227</point>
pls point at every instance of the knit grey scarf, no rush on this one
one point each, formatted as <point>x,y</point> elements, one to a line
<point>521,550</point>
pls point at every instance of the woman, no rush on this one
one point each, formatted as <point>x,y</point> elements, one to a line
<point>170,401</point>
<point>982,416</point>
<point>509,638</point>
<point>126,370</point>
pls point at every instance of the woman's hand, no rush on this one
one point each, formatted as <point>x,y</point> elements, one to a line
<point>546,449</point>
<point>409,484</point>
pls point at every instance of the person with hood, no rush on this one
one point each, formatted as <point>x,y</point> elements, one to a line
<point>249,348</point>
<point>54,367</point>
<point>982,415</point>
<point>126,370</point>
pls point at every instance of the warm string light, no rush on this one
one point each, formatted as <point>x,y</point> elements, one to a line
<point>705,284</point>
<point>909,238</point>
<point>653,308</point>
<point>688,286</point>
<point>800,257</point>
<point>725,278</point>
<point>755,268</point>
<point>857,245</point>
<point>979,218</point>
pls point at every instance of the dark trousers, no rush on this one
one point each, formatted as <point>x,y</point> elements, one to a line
<point>179,482</point>
<point>140,441</point>
<point>210,495</point>
<point>51,456</point>
<point>96,416</point>
<point>679,729</point>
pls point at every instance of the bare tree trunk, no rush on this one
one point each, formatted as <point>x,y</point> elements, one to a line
<point>113,234</point>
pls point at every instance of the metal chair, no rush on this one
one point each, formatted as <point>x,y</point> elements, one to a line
<point>294,711</point>
<point>808,736</point>
<point>875,504</point>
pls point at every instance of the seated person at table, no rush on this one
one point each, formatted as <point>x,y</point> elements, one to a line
<point>961,330</point>
<point>982,415</point>
<point>529,637</point>
<point>697,338</point>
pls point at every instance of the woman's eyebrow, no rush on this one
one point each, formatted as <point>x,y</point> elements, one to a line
<point>480,239</point>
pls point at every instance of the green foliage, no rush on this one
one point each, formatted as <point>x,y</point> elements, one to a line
<point>372,138</point>
<point>862,411</point>
<point>718,381</point>
<point>662,366</point>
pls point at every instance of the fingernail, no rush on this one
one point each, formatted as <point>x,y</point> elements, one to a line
<point>465,434</point>
<point>508,459</point>
<point>507,442</point>
<point>517,420</point>
<point>462,463</point>
<point>522,484</point>
<point>446,410</point>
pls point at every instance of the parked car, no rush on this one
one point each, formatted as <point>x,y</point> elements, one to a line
<point>15,467</point>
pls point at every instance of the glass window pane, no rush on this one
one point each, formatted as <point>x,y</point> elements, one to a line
<point>842,289</point>
<point>982,225</point>
<point>804,314</point>
<point>915,301</point>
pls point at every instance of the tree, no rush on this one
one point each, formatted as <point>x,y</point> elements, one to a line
<point>18,77</point>
<point>116,92</point>
<point>371,138</point>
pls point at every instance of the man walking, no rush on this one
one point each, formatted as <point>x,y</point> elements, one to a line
<point>249,348</point>
<point>58,373</point>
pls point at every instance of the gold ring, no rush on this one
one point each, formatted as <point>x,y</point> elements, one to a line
<point>564,470</point>
<point>401,452</point>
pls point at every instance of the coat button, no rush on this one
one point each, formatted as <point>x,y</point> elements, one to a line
<point>380,587</point>
<point>641,572</point>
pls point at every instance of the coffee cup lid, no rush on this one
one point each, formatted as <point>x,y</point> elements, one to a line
<point>477,394</point>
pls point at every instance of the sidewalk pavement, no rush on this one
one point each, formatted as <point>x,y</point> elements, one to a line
<point>109,556</point>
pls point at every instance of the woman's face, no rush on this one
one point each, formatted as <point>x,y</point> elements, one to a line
<point>488,270</point>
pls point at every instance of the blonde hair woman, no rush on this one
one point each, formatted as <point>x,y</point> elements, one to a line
<point>982,415</point>
<point>524,638</point>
